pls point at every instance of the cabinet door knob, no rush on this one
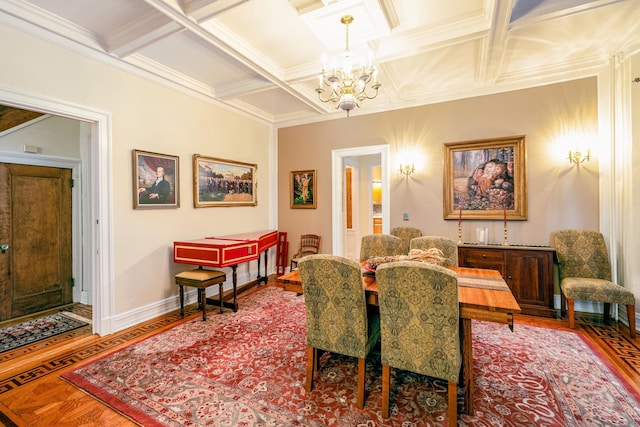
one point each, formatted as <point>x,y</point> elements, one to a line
<point>509,277</point>
<point>484,255</point>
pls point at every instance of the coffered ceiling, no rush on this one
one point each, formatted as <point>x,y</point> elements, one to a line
<point>262,57</point>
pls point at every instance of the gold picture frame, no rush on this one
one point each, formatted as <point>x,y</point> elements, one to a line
<point>155,180</point>
<point>302,189</point>
<point>485,179</point>
<point>221,182</point>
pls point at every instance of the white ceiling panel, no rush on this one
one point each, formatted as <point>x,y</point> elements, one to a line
<point>262,57</point>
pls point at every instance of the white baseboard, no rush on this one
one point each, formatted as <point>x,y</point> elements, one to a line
<point>150,311</point>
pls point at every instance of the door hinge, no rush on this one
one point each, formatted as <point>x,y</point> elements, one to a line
<point>73,282</point>
<point>71,182</point>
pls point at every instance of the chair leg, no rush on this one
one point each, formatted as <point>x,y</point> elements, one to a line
<point>570,302</point>
<point>386,385</point>
<point>311,367</point>
<point>631,315</point>
<point>563,305</point>
<point>452,409</point>
<point>606,314</point>
<point>361,372</point>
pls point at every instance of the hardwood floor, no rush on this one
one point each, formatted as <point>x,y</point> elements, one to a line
<point>32,394</point>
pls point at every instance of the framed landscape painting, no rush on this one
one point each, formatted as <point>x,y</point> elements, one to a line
<point>303,189</point>
<point>485,179</point>
<point>155,180</point>
<point>220,182</point>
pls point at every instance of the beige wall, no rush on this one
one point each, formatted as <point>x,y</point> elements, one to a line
<point>560,195</point>
<point>150,117</point>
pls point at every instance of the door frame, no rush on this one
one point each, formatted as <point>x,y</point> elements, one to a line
<point>337,189</point>
<point>95,172</point>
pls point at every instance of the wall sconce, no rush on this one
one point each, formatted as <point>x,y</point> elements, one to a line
<point>407,170</point>
<point>578,157</point>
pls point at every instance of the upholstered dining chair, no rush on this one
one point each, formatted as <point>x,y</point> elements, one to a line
<point>448,247</point>
<point>419,325</point>
<point>379,245</point>
<point>309,245</point>
<point>585,274</point>
<point>337,317</point>
<point>406,234</point>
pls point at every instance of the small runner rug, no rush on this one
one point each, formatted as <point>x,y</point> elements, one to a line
<point>249,369</point>
<point>38,329</point>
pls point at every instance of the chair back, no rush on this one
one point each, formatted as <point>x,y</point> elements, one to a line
<point>406,234</point>
<point>581,253</point>
<point>379,245</point>
<point>419,323</point>
<point>309,245</point>
<point>335,305</point>
<point>448,247</point>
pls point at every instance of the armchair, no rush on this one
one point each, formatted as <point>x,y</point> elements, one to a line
<point>448,247</point>
<point>419,325</point>
<point>585,274</point>
<point>406,234</point>
<point>337,318</point>
<point>379,245</point>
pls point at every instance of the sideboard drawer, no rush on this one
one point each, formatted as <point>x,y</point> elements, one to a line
<point>484,256</point>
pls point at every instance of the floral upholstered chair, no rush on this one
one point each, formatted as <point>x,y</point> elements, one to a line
<point>419,325</point>
<point>379,245</point>
<point>585,274</point>
<point>337,318</point>
<point>406,234</point>
<point>448,247</point>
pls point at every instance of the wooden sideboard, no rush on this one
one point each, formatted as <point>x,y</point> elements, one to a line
<point>528,270</point>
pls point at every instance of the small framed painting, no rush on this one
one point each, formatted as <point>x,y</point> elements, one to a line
<point>485,179</point>
<point>155,180</point>
<point>303,189</point>
<point>220,182</point>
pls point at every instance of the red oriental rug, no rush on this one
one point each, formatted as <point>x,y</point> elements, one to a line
<point>248,369</point>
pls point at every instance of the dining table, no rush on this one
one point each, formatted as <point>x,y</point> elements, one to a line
<point>482,295</point>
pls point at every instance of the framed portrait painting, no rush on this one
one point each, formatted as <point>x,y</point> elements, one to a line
<point>220,182</point>
<point>485,179</point>
<point>303,189</point>
<point>155,180</point>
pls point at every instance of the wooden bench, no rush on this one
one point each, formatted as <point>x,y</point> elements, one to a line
<point>201,279</point>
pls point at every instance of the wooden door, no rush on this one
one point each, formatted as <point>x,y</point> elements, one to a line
<point>35,223</point>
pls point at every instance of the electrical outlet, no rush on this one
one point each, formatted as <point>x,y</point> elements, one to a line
<point>405,216</point>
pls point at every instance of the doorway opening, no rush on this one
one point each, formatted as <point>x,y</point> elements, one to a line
<point>94,225</point>
<point>341,159</point>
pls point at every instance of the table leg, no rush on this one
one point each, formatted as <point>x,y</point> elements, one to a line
<point>234,268</point>
<point>466,373</point>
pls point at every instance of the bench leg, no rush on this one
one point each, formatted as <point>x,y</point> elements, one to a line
<point>181,301</point>
<point>201,297</point>
<point>220,296</point>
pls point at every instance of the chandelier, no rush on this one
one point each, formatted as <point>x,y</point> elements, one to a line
<point>348,85</point>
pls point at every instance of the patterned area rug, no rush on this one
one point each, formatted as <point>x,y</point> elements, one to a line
<point>38,329</point>
<point>248,368</point>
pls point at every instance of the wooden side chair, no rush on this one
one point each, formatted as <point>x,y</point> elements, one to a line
<point>585,274</point>
<point>309,245</point>
<point>406,234</point>
<point>448,247</point>
<point>379,245</point>
<point>419,325</point>
<point>337,317</point>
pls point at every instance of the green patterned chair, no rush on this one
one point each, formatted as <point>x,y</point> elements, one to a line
<point>448,247</point>
<point>380,245</point>
<point>419,325</point>
<point>585,274</point>
<point>337,318</point>
<point>406,234</point>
